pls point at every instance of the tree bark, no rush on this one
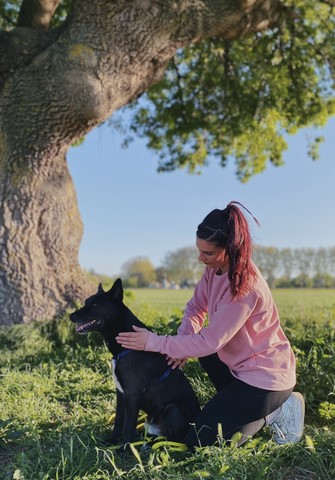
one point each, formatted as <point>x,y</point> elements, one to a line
<point>40,233</point>
<point>55,90</point>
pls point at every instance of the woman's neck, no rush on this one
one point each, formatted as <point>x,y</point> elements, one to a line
<point>222,270</point>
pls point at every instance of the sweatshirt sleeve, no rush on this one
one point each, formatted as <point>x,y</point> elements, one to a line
<point>196,309</point>
<point>225,323</point>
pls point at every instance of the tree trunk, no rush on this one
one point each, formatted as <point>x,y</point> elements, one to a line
<point>40,233</point>
<point>57,85</point>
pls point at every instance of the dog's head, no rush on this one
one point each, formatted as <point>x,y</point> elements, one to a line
<point>99,309</point>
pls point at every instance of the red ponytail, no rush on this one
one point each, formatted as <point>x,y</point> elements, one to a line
<point>229,229</point>
<point>241,271</point>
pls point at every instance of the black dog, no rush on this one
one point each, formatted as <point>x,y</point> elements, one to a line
<point>144,380</point>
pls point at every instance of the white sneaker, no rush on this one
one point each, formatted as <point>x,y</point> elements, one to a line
<point>288,424</point>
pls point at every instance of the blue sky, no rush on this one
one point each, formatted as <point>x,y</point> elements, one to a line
<point>130,210</point>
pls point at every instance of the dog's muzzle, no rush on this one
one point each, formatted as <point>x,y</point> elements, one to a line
<point>87,326</point>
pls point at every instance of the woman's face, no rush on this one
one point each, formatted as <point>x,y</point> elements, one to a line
<point>211,256</point>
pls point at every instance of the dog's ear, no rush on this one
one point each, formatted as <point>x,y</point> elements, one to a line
<point>116,291</point>
<point>100,289</point>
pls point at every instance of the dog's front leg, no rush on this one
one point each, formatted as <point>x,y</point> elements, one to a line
<point>130,420</point>
<point>114,437</point>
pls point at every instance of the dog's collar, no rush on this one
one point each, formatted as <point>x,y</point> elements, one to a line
<point>122,354</point>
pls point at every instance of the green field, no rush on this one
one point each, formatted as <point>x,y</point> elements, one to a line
<point>310,304</point>
<point>57,397</point>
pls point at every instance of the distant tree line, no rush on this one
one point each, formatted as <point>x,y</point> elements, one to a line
<point>282,268</point>
<point>297,267</point>
<point>179,268</point>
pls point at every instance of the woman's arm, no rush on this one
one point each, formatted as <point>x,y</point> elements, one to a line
<point>226,322</point>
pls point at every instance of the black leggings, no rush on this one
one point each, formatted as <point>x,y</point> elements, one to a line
<point>237,406</point>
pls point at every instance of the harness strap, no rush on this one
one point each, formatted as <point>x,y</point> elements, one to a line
<point>122,354</point>
<point>155,380</point>
<point>165,374</point>
<point>158,379</point>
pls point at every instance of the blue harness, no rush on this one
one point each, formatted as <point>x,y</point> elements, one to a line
<point>156,380</point>
<point>122,354</point>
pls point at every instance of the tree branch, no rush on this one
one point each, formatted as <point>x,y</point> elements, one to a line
<point>37,14</point>
<point>229,19</point>
<point>19,47</point>
<point>110,52</point>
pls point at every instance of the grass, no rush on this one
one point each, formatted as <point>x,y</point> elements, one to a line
<point>301,301</point>
<point>57,398</point>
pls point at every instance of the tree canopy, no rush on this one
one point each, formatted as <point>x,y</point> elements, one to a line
<point>241,98</point>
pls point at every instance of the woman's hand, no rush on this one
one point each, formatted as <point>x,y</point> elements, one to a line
<point>133,340</point>
<point>176,362</point>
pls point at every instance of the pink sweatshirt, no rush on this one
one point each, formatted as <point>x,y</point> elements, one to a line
<point>245,333</point>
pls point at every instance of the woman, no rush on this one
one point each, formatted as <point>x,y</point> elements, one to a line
<point>243,348</point>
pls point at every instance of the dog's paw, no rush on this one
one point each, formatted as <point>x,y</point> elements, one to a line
<point>110,439</point>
